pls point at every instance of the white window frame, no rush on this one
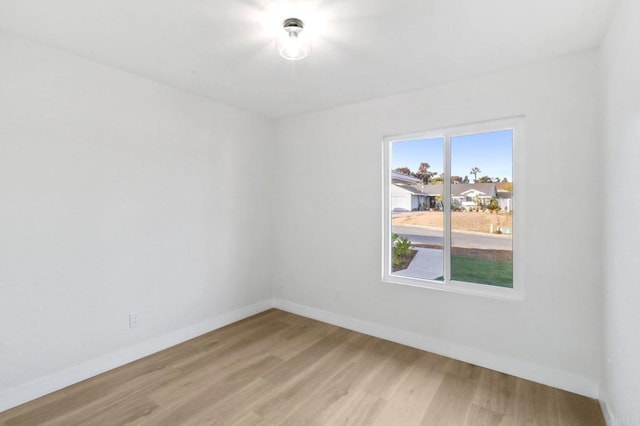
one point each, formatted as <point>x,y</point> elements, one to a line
<point>517,126</point>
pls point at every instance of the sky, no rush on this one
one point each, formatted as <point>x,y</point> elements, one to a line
<point>491,152</point>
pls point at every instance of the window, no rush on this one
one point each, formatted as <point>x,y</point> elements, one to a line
<point>449,209</point>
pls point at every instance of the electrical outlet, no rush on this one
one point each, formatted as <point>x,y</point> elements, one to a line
<point>133,319</point>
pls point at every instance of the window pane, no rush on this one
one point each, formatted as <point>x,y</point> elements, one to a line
<point>481,208</point>
<point>417,214</point>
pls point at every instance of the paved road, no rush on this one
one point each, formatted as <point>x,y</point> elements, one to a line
<point>420,235</point>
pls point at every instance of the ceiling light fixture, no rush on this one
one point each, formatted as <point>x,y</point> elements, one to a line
<point>292,43</point>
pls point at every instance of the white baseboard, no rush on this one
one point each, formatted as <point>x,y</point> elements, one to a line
<point>536,373</point>
<point>606,410</point>
<point>56,381</point>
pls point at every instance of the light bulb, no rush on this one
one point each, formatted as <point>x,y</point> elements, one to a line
<point>293,44</point>
<point>291,48</point>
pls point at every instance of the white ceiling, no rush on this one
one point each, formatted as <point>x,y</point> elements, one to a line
<point>362,49</point>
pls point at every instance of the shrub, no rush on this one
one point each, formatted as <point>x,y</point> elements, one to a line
<point>493,205</point>
<point>401,247</point>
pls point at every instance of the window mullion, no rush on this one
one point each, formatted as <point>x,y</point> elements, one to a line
<point>447,209</point>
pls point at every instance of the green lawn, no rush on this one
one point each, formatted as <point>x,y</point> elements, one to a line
<point>473,270</point>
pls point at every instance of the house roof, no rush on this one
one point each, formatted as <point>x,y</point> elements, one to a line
<point>413,189</point>
<point>397,177</point>
<point>501,186</point>
<point>459,189</point>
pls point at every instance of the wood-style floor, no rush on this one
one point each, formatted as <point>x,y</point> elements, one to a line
<point>278,368</point>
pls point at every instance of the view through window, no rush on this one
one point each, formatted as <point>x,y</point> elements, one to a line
<point>451,208</point>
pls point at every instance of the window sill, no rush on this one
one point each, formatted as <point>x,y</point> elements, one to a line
<point>481,290</point>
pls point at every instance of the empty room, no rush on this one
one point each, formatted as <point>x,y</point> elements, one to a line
<point>257,212</point>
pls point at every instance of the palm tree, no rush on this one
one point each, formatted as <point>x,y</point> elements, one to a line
<point>474,171</point>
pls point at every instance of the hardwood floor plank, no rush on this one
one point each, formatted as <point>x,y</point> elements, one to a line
<point>89,391</point>
<point>298,337</point>
<point>310,355</point>
<point>277,368</point>
<point>181,409</point>
<point>234,408</point>
<point>482,416</point>
<point>534,404</point>
<point>339,374</point>
<point>384,381</point>
<point>128,411</point>
<point>451,402</point>
<point>325,398</point>
<point>357,408</point>
<point>496,392</point>
<point>397,413</point>
<point>421,383</point>
<point>289,395</point>
<point>576,410</point>
<point>251,419</point>
<point>133,391</point>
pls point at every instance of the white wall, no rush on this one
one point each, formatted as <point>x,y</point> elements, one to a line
<point>329,244</point>
<point>621,203</point>
<point>118,194</point>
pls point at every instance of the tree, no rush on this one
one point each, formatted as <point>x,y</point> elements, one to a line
<point>423,172</point>
<point>466,179</point>
<point>505,180</point>
<point>456,179</point>
<point>404,170</point>
<point>493,205</point>
<point>438,179</point>
<point>484,179</point>
<point>474,171</point>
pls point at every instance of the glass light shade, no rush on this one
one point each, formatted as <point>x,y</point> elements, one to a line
<point>293,45</point>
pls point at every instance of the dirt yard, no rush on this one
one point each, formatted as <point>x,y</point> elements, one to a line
<point>465,221</point>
